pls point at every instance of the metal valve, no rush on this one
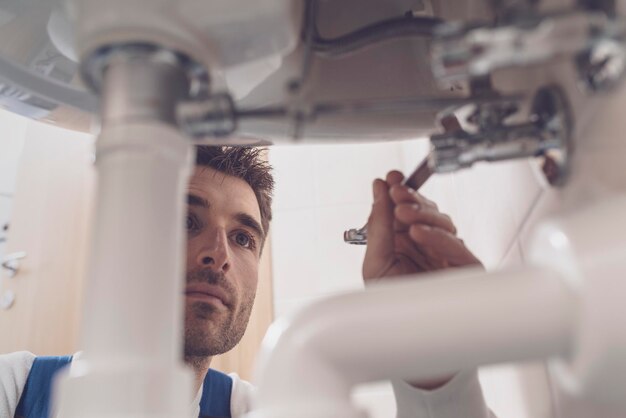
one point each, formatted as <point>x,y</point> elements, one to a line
<point>545,134</point>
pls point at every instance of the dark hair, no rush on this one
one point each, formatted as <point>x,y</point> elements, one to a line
<point>248,164</point>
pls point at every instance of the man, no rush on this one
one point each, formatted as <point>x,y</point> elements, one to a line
<point>406,235</point>
<point>229,212</point>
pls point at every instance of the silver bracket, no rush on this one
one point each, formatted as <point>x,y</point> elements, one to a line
<point>461,52</point>
<point>602,66</point>
<point>95,65</point>
<point>214,117</point>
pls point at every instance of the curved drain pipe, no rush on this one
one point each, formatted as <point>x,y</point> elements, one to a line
<point>411,329</point>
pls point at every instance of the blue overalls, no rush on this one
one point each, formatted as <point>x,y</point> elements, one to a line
<point>35,400</point>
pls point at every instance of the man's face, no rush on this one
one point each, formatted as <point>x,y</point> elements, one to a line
<point>224,238</point>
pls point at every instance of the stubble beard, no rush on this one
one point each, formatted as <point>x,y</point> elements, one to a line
<point>211,330</point>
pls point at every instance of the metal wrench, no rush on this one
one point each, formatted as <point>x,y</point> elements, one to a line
<point>416,180</point>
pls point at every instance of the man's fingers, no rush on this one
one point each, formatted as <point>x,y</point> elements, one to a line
<point>380,232</point>
<point>414,213</point>
<point>442,245</point>
<point>394,177</point>
<point>403,194</point>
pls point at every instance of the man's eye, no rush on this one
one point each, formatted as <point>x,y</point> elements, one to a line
<point>191,223</point>
<point>244,240</point>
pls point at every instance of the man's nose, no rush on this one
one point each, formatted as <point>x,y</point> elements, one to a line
<point>214,254</point>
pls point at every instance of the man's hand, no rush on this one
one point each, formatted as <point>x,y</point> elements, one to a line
<point>407,234</point>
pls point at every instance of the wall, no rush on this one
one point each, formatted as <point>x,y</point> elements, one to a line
<point>11,145</point>
<point>324,189</point>
<point>51,207</point>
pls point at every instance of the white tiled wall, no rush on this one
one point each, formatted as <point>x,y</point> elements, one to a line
<point>323,190</point>
<point>320,191</point>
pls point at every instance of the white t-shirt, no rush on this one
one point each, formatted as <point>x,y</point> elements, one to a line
<point>460,398</point>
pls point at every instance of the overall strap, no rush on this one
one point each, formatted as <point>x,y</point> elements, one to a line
<point>35,400</point>
<point>215,401</point>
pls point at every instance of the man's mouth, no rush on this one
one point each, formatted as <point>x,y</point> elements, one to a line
<point>207,293</point>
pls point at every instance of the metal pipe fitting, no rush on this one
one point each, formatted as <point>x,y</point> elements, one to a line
<point>547,134</point>
<point>95,66</point>
<point>141,88</point>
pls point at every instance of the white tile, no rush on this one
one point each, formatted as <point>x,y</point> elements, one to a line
<point>493,201</point>
<point>524,188</point>
<point>345,172</point>
<point>295,262</point>
<point>485,219</point>
<point>549,203</point>
<point>294,173</point>
<point>310,257</point>
<point>291,306</point>
<point>513,256</point>
<point>340,262</point>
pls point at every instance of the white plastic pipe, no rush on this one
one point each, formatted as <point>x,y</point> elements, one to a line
<point>134,300</point>
<point>133,314</point>
<point>412,329</point>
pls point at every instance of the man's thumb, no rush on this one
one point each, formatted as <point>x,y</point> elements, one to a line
<point>380,235</point>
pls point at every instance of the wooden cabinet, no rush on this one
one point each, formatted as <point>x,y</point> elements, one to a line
<point>11,144</point>
<point>49,222</point>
